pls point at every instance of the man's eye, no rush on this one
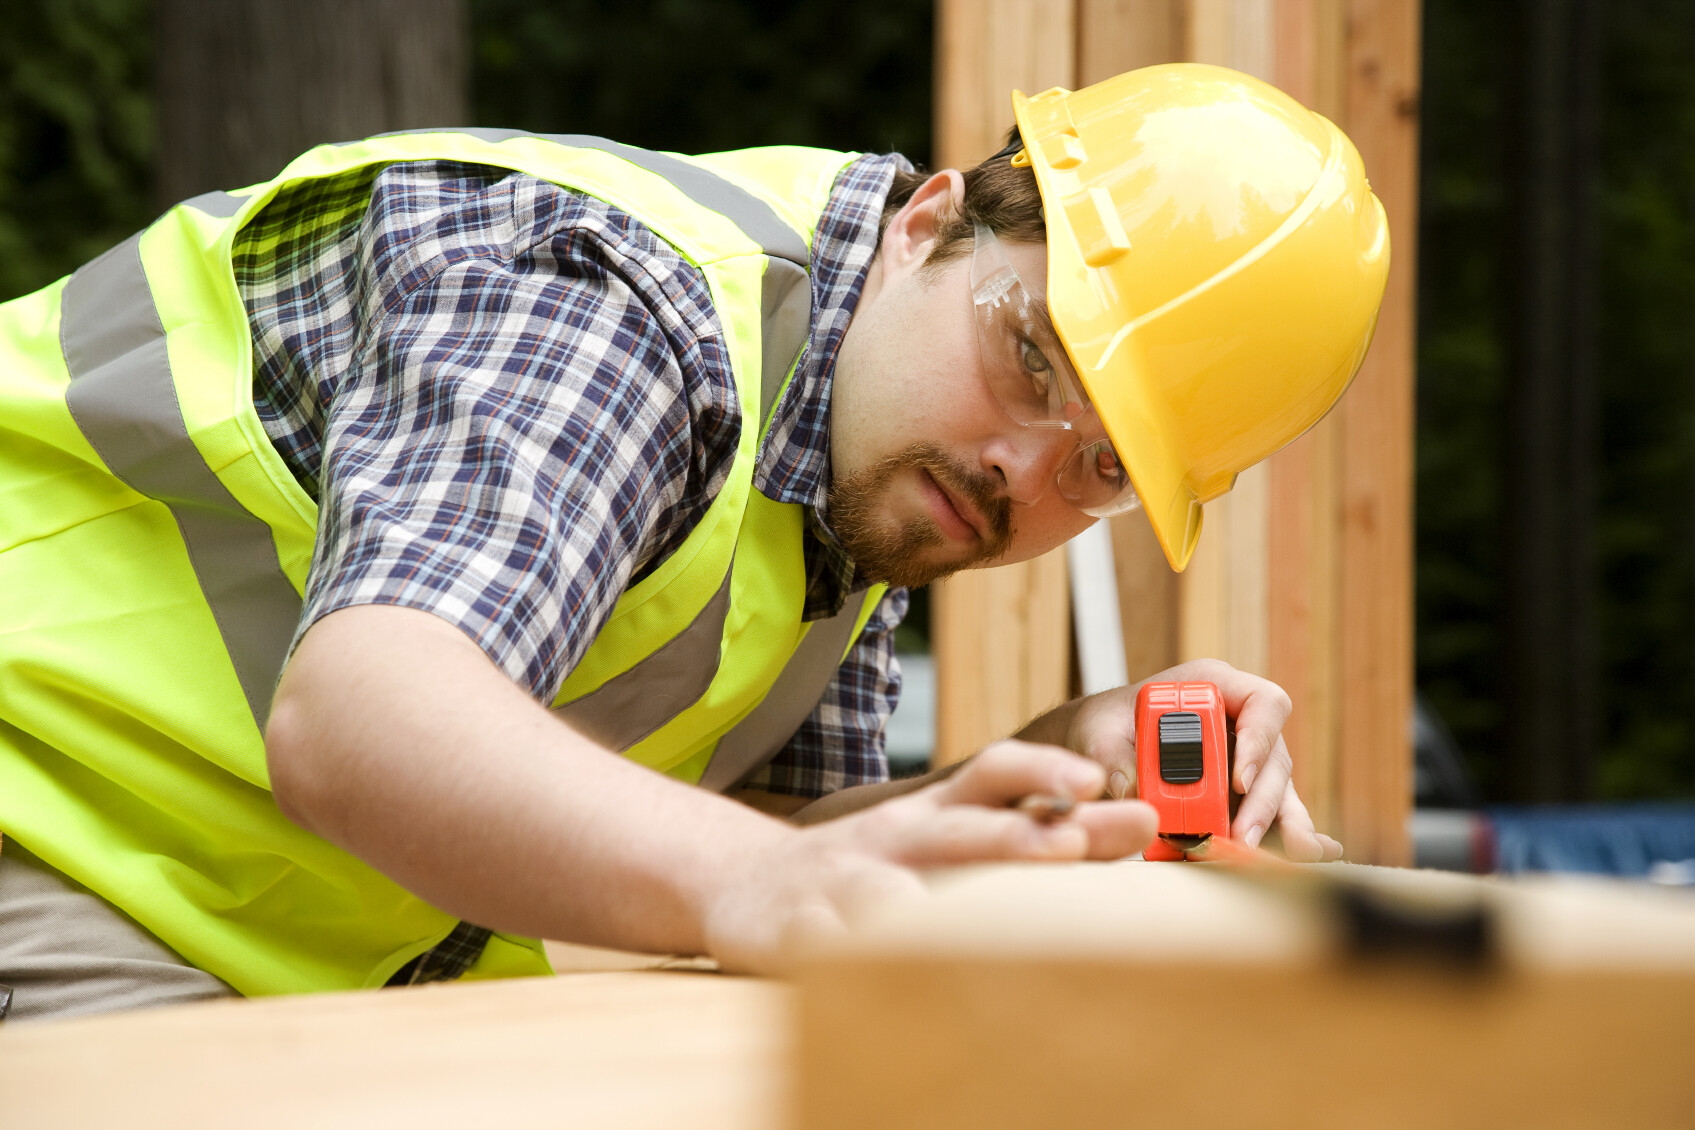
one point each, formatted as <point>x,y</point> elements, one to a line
<point>1036,364</point>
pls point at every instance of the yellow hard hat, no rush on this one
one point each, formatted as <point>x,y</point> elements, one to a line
<point>1215,264</point>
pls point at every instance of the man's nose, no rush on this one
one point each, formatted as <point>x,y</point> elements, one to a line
<point>1029,461</point>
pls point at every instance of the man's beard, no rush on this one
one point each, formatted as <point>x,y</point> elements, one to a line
<point>893,554</point>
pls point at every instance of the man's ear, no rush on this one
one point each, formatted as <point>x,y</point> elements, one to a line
<point>912,232</point>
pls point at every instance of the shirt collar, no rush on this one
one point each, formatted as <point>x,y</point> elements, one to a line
<point>794,461</point>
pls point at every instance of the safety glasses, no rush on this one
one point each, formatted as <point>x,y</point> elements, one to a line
<point>1032,380</point>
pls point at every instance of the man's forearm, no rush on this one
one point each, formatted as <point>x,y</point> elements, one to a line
<point>394,737</point>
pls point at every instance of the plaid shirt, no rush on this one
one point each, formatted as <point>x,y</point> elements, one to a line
<point>529,407</point>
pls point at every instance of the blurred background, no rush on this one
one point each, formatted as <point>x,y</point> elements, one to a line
<point>1555,450</point>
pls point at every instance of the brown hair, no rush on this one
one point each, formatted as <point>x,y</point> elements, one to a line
<point>1002,196</point>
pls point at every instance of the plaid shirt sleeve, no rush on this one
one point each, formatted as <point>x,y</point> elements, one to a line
<point>525,398</point>
<point>841,744</point>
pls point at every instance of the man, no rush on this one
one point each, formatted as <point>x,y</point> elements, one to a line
<point>515,454</point>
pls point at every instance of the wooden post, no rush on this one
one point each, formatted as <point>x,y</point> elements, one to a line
<point>1304,540</point>
<point>1001,637</point>
<point>1375,770</point>
<point>1114,36</point>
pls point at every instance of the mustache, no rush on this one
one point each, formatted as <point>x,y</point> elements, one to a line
<point>976,486</point>
<point>893,552</point>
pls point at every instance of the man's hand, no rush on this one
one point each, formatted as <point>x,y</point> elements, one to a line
<point>1103,728</point>
<point>819,879</point>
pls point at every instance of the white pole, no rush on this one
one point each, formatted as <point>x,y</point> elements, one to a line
<point>1094,609</point>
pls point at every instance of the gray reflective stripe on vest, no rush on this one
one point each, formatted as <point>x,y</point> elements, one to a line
<point>761,736</point>
<point>631,705</point>
<point>123,398</point>
<point>223,205</point>
<point>757,219</point>
<point>785,302</point>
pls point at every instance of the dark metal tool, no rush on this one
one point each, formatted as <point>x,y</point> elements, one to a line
<point>1046,808</point>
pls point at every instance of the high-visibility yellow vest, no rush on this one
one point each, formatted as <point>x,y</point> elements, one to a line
<point>154,549</point>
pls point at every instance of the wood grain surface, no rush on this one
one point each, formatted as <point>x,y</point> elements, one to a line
<point>1015,996</point>
<point>667,1050</point>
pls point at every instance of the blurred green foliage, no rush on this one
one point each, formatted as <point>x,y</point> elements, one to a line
<point>76,133</point>
<point>76,95</point>
<point>1645,520</point>
<point>1646,526</point>
<point>1461,376</point>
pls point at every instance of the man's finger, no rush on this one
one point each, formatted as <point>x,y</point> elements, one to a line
<point>970,833</point>
<point>1259,731</point>
<point>1300,838</point>
<point>1264,797</point>
<point>1007,772</point>
<point>1117,828</point>
<point>1258,709</point>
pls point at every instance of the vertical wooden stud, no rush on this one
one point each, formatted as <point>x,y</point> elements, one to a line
<point>1375,771</point>
<point>1303,544</point>
<point>1114,36</point>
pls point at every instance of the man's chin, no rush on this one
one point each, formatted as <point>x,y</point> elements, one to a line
<point>913,570</point>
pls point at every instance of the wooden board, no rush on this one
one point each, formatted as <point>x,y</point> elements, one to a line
<point>1176,995</point>
<point>626,1050</point>
<point>1374,770</point>
<point>1052,997</point>
<point>1304,542</point>
<point>1308,577</point>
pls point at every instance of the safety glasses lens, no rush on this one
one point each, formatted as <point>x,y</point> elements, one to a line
<point>1095,481</point>
<point>1030,375</point>
<point>1026,366</point>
